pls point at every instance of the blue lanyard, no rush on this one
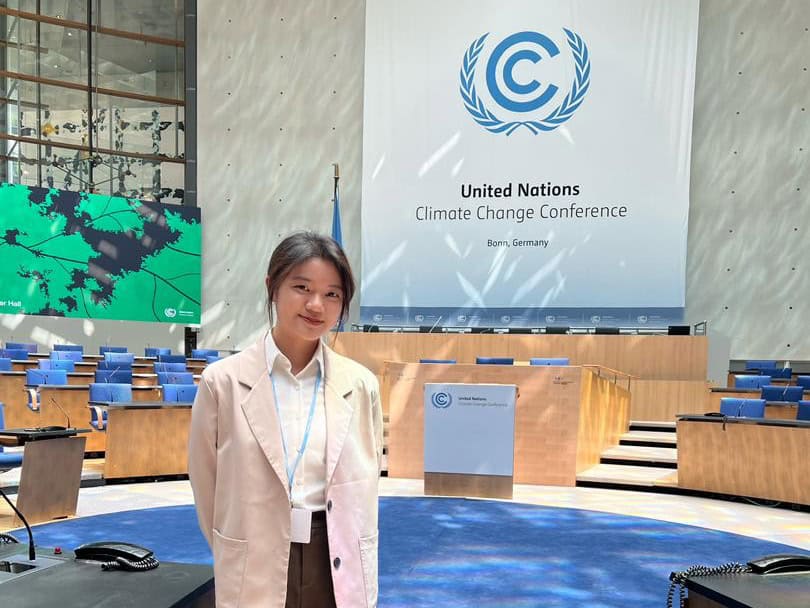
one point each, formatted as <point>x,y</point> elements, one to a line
<point>305,440</point>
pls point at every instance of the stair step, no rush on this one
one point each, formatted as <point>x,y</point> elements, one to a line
<point>641,454</point>
<point>652,425</point>
<point>649,438</point>
<point>627,475</point>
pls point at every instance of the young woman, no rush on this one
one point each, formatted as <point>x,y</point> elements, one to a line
<point>285,448</point>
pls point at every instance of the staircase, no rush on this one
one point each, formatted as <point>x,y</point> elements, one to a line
<point>645,459</point>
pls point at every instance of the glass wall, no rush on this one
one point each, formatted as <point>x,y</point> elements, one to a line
<point>93,96</point>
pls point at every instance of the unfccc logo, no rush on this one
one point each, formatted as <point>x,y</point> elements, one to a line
<point>523,97</point>
<point>441,400</point>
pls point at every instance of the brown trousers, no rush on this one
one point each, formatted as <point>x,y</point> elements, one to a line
<point>309,575</point>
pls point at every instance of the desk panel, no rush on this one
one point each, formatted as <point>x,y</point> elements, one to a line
<point>13,395</point>
<point>147,441</point>
<point>744,459</point>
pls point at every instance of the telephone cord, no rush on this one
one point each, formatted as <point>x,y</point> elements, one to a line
<point>678,579</point>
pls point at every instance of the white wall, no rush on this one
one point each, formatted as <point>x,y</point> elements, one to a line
<point>280,88</point>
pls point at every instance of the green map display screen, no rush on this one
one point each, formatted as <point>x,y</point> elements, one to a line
<point>74,254</point>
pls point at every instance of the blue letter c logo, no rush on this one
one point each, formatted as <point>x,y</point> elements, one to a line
<point>508,69</point>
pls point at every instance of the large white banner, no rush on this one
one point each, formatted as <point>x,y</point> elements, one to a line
<point>526,163</point>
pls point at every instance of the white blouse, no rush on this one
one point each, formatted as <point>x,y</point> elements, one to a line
<point>295,398</point>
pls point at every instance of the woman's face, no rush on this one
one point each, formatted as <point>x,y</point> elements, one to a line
<point>309,300</point>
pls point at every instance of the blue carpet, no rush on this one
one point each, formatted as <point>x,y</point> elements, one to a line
<point>454,552</point>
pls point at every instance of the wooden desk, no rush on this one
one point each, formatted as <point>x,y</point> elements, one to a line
<point>22,365</point>
<point>759,458</point>
<point>147,439</point>
<point>74,400</point>
<point>12,394</point>
<point>50,477</point>
<point>564,417</point>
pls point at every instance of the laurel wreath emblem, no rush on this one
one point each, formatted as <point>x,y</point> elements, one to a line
<point>484,117</point>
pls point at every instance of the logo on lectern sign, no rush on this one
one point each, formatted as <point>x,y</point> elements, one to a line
<point>441,400</point>
<point>512,96</point>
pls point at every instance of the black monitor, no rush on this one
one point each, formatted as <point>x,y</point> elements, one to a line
<point>371,328</point>
<point>606,330</point>
<point>520,330</point>
<point>679,330</point>
<point>558,329</point>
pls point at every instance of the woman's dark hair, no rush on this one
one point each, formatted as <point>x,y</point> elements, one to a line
<point>297,249</point>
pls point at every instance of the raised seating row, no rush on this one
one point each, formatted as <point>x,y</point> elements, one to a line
<point>558,361</point>
<point>755,408</point>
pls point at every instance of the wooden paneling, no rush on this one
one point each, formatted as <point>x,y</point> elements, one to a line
<point>547,416</point>
<point>744,459</point>
<point>454,484</point>
<point>604,416</point>
<point>658,357</point>
<point>50,478</point>
<point>12,394</point>
<point>663,400</point>
<point>74,403</point>
<point>147,442</point>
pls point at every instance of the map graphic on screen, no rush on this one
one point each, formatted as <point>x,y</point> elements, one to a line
<point>74,254</point>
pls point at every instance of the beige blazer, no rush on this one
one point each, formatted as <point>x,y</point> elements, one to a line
<point>236,467</point>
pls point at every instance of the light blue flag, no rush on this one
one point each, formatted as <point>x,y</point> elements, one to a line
<point>337,233</point>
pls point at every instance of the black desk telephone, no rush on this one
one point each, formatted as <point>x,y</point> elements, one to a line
<point>780,563</point>
<point>116,555</point>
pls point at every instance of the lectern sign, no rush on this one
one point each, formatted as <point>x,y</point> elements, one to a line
<point>470,428</point>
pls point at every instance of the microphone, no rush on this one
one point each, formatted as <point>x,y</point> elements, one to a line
<point>61,409</point>
<point>436,323</point>
<point>337,170</point>
<point>31,553</point>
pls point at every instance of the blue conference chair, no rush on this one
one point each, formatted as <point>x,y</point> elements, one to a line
<point>172,359</point>
<point>175,378</point>
<point>804,382</point>
<point>15,354</point>
<point>447,361</point>
<point>65,364</point>
<point>34,378</point>
<point>156,352</point>
<point>202,353</point>
<point>768,364</point>
<point>804,411</point>
<point>114,376</point>
<point>494,361</point>
<point>742,408</point>
<point>782,373</point>
<point>26,346</point>
<point>169,367</point>
<point>67,355</point>
<point>5,364</point>
<point>106,393</point>
<point>749,381</point>
<point>8,460</point>
<point>182,393</point>
<point>782,393</point>
<point>119,359</point>
<point>110,365</point>
<point>557,361</point>
<point>212,359</point>
<point>69,347</point>
<point>112,349</point>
